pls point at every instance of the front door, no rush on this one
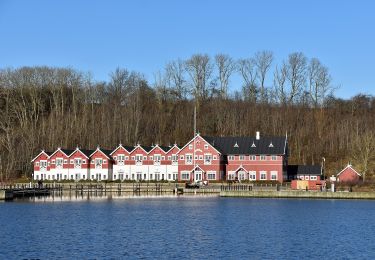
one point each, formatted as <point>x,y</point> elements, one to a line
<point>198,175</point>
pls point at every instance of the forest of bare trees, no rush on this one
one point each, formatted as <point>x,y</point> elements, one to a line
<point>45,107</point>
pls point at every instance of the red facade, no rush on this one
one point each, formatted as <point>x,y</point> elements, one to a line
<point>348,175</point>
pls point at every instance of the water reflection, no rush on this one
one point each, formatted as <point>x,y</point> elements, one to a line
<point>57,196</point>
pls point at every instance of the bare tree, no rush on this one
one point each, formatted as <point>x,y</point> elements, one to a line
<point>175,72</point>
<point>247,69</point>
<point>279,81</point>
<point>296,74</point>
<point>199,68</point>
<point>319,81</point>
<point>263,61</point>
<point>364,151</point>
<point>226,66</point>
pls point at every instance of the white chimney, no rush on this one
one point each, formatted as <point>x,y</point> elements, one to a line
<point>257,137</point>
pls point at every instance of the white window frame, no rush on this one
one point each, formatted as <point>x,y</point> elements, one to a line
<point>59,162</point>
<point>274,173</point>
<point>211,175</point>
<point>185,175</point>
<point>253,157</point>
<point>188,159</point>
<point>138,159</point>
<point>157,159</point>
<point>261,175</point>
<point>206,146</point>
<point>231,157</point>
<point>77,163</point>
<point>190,147</point>
<point>242,157</point>
<point>252,175</point>
<point>313,178</point>
<point>273,158</point>
<point>263,158</point>
<point>207,158</point>
<point>98,163</point>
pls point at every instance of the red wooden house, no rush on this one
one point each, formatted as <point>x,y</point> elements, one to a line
<point>348,175</point>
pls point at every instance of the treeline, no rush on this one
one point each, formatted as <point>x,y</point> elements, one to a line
<point>44,107</point>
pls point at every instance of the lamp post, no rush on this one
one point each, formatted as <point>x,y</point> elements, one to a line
<point>323,167</point>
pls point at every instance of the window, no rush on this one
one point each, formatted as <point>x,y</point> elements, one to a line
<point>43,164</point>
<point>181,157</point>
<point>207,158</point>
<point>150,176</point>
<point>206,146</point>
<point>104,161</point>
<point>190,146</point>
<point>77,163</point>
<point>242,157</point>
<point>307,178</point>
<point>98,163</point>
<point>65,161</point>
<point>241,175</point>
<point>263,175</point>
<point>84,161</point>
<point>114,157</point>
<point>71,161</point>
<point>92,161</point>
<point>189,159</point>
<point>53,162</point>
<point>211,175</point>
<point>144,157</point>
<point>215,157</point>
<point>133,158</point>
<point>196,157</point>
<point>157,159</point>
<point>274,175</point>
<point>313,178</point>
<point>174,159</point>
<point>200,157</point>
<point>121,159</point>
<point>169,158</point>
<point>262,157</point>
<point>252,175</point>
<point>253,158</point>
<point>185,175</point>
<point>138,159</point>
<point>59,162</point>
<point>169,176</point>
<point>274,158</point>
<point>126,158</point>
<point>163,158</point>
<point>231,158</point>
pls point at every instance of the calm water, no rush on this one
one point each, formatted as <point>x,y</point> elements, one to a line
<point>187,227</point>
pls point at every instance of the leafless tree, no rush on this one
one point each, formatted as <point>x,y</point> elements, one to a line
<point>319,81</point>
<point>226,66</point>
<point>263,61</point>
<point>279,81</point>
<point>364,151</point>
<point>175,72</point>
<point>247,69</point>
<point>296,74</point>
<point>200,69</point>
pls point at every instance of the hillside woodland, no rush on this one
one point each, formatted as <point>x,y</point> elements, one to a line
<point>47,107</point>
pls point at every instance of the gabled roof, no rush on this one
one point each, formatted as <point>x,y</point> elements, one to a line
<point>304,170</point>
<point>85,152</point>
<point>197,166</point>
<point>125,147</point>
<point>241,167</point>
<point>67,152</point>
<point>248,145</point>
<point>349,166</point>
<point>197,135</point>
<point>106,152</point>
<point>42,152</point>
<point>157,146</point>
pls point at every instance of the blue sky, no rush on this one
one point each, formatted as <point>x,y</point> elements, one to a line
<point>98,36</point>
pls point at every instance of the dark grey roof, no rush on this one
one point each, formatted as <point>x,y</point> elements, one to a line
<point>304,170</point>
<point>165,148</point>
<point>247,145</point>
<point>106,152</point>
<point>147,148</point>
<point>87,152</point>
<point>128,148</point>
<point>67,151</point>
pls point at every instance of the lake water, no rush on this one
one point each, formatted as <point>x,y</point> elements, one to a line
<point>192,227</point>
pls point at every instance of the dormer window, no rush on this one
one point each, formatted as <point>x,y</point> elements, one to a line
<point>236,145</point>
<point>253,145</point>
<point>190,146</point>
<point>206,146</point>
<point>271,145</point>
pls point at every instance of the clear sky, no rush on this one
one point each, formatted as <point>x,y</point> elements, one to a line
<point>98,36</point>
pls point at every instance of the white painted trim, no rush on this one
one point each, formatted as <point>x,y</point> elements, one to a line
<point>194,139</point>
<point>349,166</point>
<point>98,149</point>
<point>77,149</point>
<point>59,149</point>
<point>39,155</point>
